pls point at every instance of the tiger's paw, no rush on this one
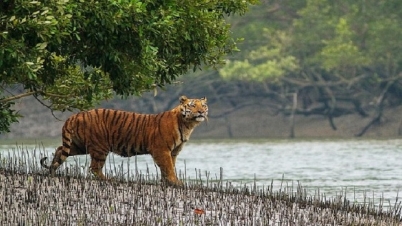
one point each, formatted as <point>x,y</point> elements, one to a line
<point>173,183</point>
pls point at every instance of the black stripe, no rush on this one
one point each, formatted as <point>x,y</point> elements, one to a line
<point>135,126</point>
<point>139,129</point>
<point>97,119</point>
<point>98,159</point>
<point>103,128</point>
<point>59,161</point>
<point>76,126</point>
<point>146,131</point>
<point>116,123</point>
<point>116,141</point>
<point>88,117</point>
<point>65,138</point>
<point>123,152</point>
<point>91,125</point>
<point>143,130</point>
<point>132,151</point>
<point>119,115</point>
<point>106,114</point>
<point>84,124</point>
<point>96,113</point>
<point>158,122</point>
<point>129,134</point>
<point>122,124</point>
<point>181,134</point>
<point>150,120</point>
<point>65,153</point>
<point>118,149</point>
<point>112,125</point>
<point>115,114</point>
<point>66,145</point>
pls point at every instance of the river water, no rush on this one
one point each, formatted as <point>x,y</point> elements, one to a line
<point>368,170</point>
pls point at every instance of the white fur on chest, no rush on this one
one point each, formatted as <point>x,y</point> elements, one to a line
<point>183,135</point>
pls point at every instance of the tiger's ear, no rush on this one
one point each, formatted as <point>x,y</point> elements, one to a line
<point>183,99</point>
<point>204,98</point>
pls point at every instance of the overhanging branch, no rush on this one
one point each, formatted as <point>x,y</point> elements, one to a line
<point>15,97</point>
<point>22,95</point>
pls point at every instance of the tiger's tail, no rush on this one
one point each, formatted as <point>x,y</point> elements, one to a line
<point>57,161</point>
<point>42,163</point>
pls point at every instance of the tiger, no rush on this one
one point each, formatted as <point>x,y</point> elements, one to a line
<point>98,132</point>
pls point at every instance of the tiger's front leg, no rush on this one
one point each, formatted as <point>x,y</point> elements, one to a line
<point>165,162</point>
<point>175,153</point>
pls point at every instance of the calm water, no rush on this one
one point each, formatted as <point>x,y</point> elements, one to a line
<point>364,168</point>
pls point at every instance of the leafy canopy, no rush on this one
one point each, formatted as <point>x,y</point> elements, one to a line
<point>333,41</point>
<point>337,57</point>
<point>74,53</point>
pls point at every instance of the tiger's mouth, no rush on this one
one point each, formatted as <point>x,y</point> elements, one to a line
<point>200,118</point>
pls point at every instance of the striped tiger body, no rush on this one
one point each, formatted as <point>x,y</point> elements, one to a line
<point>100,131</point>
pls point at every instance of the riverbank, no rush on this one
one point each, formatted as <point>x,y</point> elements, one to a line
<point>250,122</point>
<point>68,199</point>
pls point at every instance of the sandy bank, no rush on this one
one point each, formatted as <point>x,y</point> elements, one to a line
<point>36,199</point>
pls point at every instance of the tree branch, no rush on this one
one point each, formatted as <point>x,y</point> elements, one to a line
<point>22,95</point>
<point>304,83</point>
<point>48,107</point>
<point>17,96</point>
<point>379,109</point>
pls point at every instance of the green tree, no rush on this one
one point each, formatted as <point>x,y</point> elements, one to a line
<point>74,53</point>
<point>338,57</point>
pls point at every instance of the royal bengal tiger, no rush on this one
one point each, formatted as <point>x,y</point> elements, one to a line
<point>100,131</point>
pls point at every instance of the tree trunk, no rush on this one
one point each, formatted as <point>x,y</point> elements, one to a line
<point>379,109</point>
<point>292,116</point>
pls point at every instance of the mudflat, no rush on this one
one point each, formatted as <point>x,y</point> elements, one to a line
<point>37,199</point>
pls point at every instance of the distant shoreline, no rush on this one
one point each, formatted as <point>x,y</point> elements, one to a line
<point>245,123</point>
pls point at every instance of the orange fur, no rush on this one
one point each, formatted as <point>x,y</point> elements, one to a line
<point>100,131</point>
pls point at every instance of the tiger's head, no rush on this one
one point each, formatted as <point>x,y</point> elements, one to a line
<point>194,109</point>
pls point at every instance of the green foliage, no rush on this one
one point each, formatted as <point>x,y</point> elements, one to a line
<point>341,51</point>
<point>337,39</point>
<point>74,53</point>
<point>338,57</point>
<point>268,62</point>
<point>78,87</point>
<point>7,116</point>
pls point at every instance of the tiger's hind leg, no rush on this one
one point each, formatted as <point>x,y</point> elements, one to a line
<point>62,152</point>
<point>98,159</point>
<point>60,156</point>
<point>56,162</point>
